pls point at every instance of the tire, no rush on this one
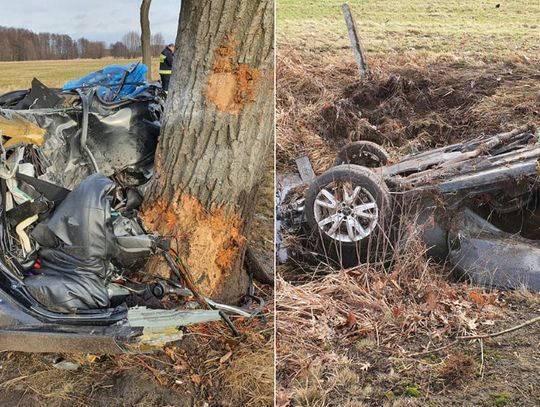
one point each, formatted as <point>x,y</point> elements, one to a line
<point>364,153</point>
<point>361,214</point>
<point>504,205</point>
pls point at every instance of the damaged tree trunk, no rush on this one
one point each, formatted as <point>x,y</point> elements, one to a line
<point>145,36</point>
<point>217,130</point>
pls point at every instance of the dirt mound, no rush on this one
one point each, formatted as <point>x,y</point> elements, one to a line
<point>407,102</point>
<point>439,105</point>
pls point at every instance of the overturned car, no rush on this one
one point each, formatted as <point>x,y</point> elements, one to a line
<point>475,204</point>
<point>74,164</point>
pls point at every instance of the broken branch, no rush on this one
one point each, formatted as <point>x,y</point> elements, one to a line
<point>495,334</point>
<point>482,336</point>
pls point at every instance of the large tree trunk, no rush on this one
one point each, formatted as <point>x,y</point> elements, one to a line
<point>145,36</point>
<point>218,128</point>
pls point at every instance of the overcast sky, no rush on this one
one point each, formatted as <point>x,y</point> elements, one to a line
<point>101,20</point>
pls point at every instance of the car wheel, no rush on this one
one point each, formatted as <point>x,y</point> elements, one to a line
<point>364,153</point>
<point>348,206</point>
<point>504,205</point>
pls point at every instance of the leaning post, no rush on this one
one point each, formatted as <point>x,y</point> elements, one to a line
<point>358,49</point>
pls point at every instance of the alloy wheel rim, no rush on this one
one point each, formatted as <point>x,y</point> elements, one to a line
<point>346,213</point>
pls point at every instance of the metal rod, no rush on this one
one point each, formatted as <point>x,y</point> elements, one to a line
<point>202,300</point>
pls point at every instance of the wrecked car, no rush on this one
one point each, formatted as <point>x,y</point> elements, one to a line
<point>74,164</point>
<point>475,205</point>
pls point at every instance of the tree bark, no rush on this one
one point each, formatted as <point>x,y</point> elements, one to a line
<point>217,129</point>
<point>145,36</point>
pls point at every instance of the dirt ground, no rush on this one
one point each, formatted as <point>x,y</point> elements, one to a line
<point>209,368</point>
<point>351,338</point>
<point>359,372</point>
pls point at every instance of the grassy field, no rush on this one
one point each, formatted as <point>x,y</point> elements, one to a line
<point>18,75</point>
<point>455,26</point>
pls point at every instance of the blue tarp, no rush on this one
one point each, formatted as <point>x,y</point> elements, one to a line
<point>111,78</point>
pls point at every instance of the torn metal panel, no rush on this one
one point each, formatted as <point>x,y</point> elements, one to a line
<point>163,319</point>
<point>305,169</point>
<point>459,158</point>
<point>234,310</point>
<point>40,97</point>
<point>157,339</point>
<point>161,326</point>
<point>79,132</point>
<point>490,179</point>
<point>119,138</point>
<point>66,342</point>
<point>493,258</point>
<point>12,99</point>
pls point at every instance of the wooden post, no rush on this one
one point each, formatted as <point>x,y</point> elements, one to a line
<point>358,49</point>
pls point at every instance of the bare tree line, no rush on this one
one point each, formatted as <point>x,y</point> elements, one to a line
<point>19,44</point>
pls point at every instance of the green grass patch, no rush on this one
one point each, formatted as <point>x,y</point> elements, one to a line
<point>455,26</point>
<point>412,391</point>
<point>500,400</point>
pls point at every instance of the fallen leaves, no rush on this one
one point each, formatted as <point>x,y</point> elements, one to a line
<point>477,297</point>
<point>400,310</point>
<point>195,378</point>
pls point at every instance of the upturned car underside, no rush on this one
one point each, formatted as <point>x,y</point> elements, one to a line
<point>475,205</point>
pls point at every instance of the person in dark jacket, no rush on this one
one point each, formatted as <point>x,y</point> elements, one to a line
<point>165,66</point>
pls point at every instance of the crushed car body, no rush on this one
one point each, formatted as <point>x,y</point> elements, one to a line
<point>93,128</point>
<point>475,204</point>
<point>74,165</point>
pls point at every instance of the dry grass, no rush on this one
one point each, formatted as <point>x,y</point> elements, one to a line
<point>249,378</point>
<point>236,371</point>
<point>46,384</point>
<point>302,90</point>
<point>371,334</point>
<point>408,103</point>
<point>367,320</point>
<point>19,75</point>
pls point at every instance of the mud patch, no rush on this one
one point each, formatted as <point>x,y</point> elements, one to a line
<point>231,86</point>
